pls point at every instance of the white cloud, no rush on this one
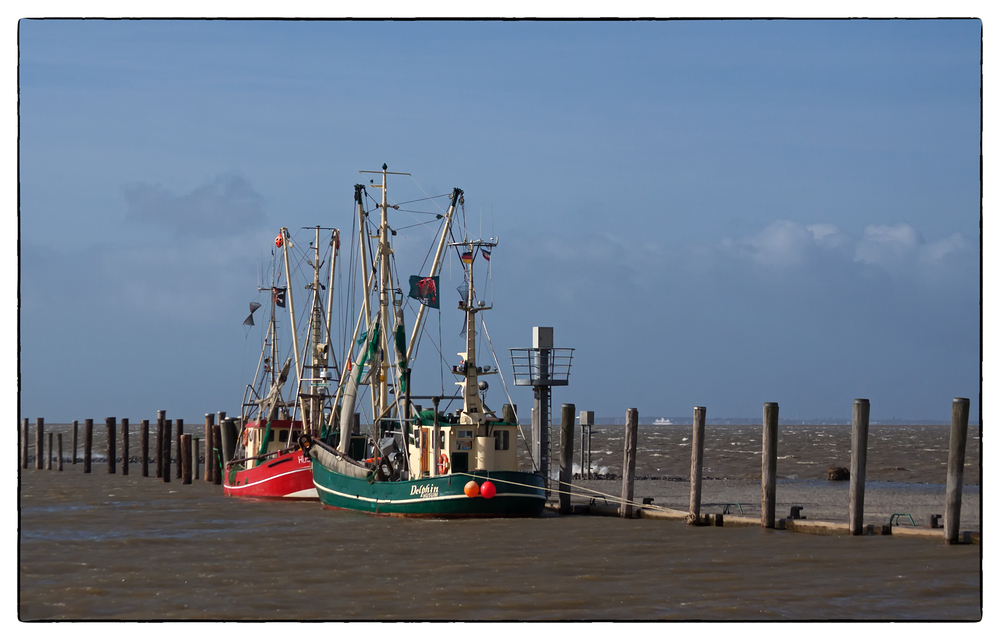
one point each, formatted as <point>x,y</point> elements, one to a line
<point>887,245</point>
<point>936,252</point>
<point>829,236</point>
<point>900,247</point>
<point>896,249</point>
<point>781,244</point>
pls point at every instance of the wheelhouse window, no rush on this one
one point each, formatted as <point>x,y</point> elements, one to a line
<point>502,438</point>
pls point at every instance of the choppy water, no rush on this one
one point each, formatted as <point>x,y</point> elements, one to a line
<point>99,547</point>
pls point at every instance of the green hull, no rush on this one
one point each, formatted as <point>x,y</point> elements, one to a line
<point>518,494</point>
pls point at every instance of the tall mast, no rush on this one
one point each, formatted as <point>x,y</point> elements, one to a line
<point>274,331</point>
<point>317,355</point>
<point>474,411</point>
<point>380,402</point>
<point>291,313</point>
<point>334,248</point>
<point>383,297</point>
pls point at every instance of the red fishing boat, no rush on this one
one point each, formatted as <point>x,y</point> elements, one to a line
<point>266,461</point>
<point>281,472</point>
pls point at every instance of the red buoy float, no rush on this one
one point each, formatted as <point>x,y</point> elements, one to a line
<point>488,490</point>
<point>471,489</point>
<point>278,241</point>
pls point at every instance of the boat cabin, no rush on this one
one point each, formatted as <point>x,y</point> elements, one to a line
<point>462,448</point>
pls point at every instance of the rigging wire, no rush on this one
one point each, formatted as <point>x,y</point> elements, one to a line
<point>503,383</point>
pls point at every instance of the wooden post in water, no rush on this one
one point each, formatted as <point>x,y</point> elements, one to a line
<point>697,451</point>
<point>956,468</point>
<point>217,453</point>
<point>769,465</point>
<point>144,445</point>
<point>112,437</point>
<point>39,443</point>
<point>195,459</point>
<point>628,468</point>
<point>124,446</point>
<point>24,443</point>
<point>566,428</point>
<point>167,424</point>
<point>185,462</point>
<point>48,464</point>
<point>180,434</point>
<point>74,442</point>
<point>209,423</point>
<point>586,442</point>
<point>161,415</point>
<point>859,461</point>
<point>60,453</point>
<point>88,443</point>
<point>228,431</point>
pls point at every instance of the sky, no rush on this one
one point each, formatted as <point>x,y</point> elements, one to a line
<point>710,213</point>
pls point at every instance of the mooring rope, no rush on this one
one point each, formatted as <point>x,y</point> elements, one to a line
<point>594,492</point>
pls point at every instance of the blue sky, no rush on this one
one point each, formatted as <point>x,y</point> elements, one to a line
<point>717,213</point>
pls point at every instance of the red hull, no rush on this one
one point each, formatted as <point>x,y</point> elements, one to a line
<point>287,476</point>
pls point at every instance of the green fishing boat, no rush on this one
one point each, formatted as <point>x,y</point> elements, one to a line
<point>418,462</point>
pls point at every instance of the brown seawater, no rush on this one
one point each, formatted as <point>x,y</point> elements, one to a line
<point>111,547</point>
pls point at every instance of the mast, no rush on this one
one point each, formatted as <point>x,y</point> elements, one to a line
<point>317,354</point>
<point>474,412</point>
<point>335,247</point>
<point>380,401</point>
<point>291,313</point>
<point>272,331</point>
<point>383,297</point>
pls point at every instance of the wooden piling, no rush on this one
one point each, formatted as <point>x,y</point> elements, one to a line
<point>697,451</point>
<point>124,446</point>
<point>859,459</point>
<point>24,443</point>
<point>60,453</point>
<point>48,464</point>
<point>144,445</point>
<point>167,425</point>
<point>88,443</point>
<point>956,468</point>
<point>161,415</point>
<point>185,462</point>
<point>209,423</point>
<point>628,468</point>
<point>112,463</point>
<point>39,443</point>
<point>195,459</point>
<point>73,453</point>
<point>566,428</point>
<point>217,453</point>
<point>180,434</point>
<point>228,431</point>
<point>769,465</point>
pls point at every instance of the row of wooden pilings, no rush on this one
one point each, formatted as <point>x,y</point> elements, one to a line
<point>187,447</point>
<point>769,464</point>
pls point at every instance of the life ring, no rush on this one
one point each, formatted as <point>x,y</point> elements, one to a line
<point>244,438</point>
<point>443,464</point>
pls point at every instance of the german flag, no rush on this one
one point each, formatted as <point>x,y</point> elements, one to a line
<point>467,257</point>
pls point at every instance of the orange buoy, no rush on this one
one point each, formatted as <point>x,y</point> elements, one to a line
<point>472,489</point>
<point>488,490</point>
<point>278,241</point>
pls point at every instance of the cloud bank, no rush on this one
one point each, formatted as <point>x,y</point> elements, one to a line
<point>225,206</point>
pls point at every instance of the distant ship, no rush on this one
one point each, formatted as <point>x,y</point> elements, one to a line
<point>662,421</point>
